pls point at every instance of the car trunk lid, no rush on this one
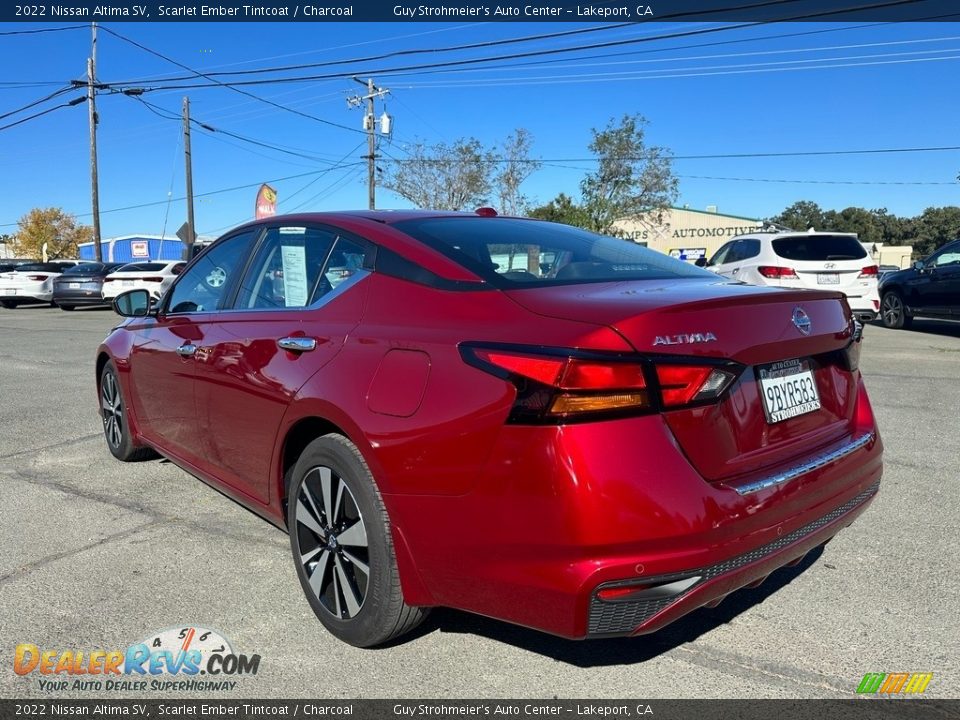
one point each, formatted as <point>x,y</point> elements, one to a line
<point>757,327</point>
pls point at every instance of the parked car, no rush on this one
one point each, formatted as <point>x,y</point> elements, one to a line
<point>821,260</point>
<point>28,283</point>
<point>82,285</point>
<point>594,449</point>
<point>931,288</point>
<point>9,264</point>
<point>155,277</point>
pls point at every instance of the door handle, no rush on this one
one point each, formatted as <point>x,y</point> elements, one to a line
<point>736,270</point>
<point>187,350</point>
<point>298,344</point>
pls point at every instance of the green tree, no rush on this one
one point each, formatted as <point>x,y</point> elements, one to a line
<point>632,179</point>
<point>855,220</point>
<point>802,215</point>
<point>443,177</point>
<point>934,227</point>
<point>52,227</point>
<point>562,209</point>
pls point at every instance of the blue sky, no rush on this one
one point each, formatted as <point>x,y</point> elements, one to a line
<point>891,86</point>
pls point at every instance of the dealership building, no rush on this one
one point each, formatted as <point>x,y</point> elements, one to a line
<point>686,233</point>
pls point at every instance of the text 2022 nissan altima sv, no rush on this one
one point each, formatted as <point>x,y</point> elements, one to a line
<point>506,416</point>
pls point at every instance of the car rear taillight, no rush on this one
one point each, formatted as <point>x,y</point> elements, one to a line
<point>152,279</point>
<point>106,280</point>
<point>37,278</point>
<point>772,271</point>
<point>558,385</point>
<point>870,271</point>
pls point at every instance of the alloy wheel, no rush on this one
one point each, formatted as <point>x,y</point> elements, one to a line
<point>112,410</point>
<point>892,310</point>
<point>334,552</point>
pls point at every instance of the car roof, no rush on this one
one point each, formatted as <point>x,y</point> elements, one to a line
<point>792,234</point>
<point>385,217</point>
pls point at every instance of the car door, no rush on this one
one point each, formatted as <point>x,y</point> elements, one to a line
<point>939,289</point>
<point>733,261</point>
<point>300,297</point>
<point>162,364</point>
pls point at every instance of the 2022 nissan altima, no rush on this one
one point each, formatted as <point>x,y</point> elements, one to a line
<point>506,416</point>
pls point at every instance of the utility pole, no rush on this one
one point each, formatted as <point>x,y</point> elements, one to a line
<point>191,232</point>
<point>370,125</point>
<point>92,104</point>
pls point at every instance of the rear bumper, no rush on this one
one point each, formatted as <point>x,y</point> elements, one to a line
<point>560,513</point>
<point>659,604</point>
<point>26,295</point>
<point>79,297</point>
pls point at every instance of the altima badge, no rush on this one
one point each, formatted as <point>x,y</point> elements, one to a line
<point>684,339</point>
<point>801,320</point>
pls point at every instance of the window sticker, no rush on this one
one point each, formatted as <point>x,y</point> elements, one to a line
<point>293,230</point>
<point>294,275</point>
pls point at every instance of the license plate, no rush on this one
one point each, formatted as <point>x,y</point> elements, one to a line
<point>73,285</point>
<point>788,389</point>
<point>127,283</point>
<point>828,278</point>
<point>11,291</point>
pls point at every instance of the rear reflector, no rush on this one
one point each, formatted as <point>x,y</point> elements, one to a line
<point>772,271</point>
<point>868,272</point>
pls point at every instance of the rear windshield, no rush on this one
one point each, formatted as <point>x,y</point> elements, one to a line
<point>85,269</point>
<point>142,267</point>
<point>513,253</point>
<point>40,267</point>
<point>819,247</point>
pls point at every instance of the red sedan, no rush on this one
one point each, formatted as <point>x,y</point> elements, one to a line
<point>511,417</point>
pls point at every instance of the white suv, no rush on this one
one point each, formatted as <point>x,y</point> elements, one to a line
<point>818,260</point>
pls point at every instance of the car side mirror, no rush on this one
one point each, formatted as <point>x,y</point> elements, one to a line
<point>918,265</point>
<point>133,303</point>
<point>700,262</point>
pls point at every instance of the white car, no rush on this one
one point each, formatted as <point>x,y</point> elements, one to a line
<point>815,260</point>
<point>32,283</point>
<point>154,277</point>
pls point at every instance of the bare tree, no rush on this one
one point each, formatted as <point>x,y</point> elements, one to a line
<point>443,177</point>
<point>516,166</point>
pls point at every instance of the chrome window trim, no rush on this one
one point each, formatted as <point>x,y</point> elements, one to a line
<point>817,462</point>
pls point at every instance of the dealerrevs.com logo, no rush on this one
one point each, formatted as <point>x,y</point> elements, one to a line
<point>187,659</point>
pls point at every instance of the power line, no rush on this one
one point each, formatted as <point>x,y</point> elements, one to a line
<point>52,95</point>
<point>43,30</point>
<point>210,192</point>
<point>75,101</point>
<point>536,53</point>
<point>695,46</point>
<point>225,85</point>
<point>819,182</point>
<point>413,51</point>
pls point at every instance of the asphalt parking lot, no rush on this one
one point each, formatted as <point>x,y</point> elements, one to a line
<point>99,554</point>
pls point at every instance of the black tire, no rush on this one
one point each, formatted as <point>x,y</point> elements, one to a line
<point>361,608</point>
<point>893,311</point>
<point>114,413</point>
<point>68,308</point>
<point>8,304</point>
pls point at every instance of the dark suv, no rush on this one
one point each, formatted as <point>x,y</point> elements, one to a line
<point>931,288</point>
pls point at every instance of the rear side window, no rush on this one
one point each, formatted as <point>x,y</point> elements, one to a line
<point>819,248</point>
<point>510,252</point>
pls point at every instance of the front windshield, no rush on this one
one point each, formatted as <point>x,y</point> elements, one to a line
<point>513,252</point>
